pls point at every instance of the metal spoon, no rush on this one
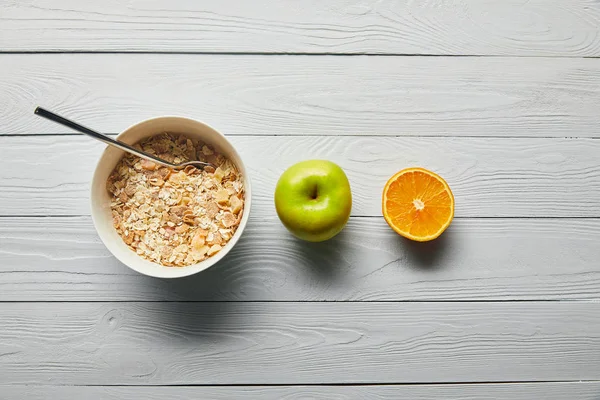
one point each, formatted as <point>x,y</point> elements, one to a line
<point>123,146</point>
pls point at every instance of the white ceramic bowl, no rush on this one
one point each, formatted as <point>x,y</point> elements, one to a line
<point>100,198</point>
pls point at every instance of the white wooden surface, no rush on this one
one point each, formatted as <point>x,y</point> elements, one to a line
<point>491,177</point>
<point>62,259</point>
<point>503,306</point>
<point>308,95</point>
<point>300,343</point>
<point>453,27</point>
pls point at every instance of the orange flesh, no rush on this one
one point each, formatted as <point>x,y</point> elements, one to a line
<point>418,204</point>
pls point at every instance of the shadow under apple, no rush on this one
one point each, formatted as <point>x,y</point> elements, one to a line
<point>325,260</point>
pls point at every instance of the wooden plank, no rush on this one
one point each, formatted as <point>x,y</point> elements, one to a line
<point>62,259</point>
<point>465,27</point>
<point>297,343</point>
<point>304,95</point>
<point>490,177</point>
<point>518,391</point>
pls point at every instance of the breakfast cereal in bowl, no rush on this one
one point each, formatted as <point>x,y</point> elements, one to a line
<point>167,222</point>
<point>176,218</point>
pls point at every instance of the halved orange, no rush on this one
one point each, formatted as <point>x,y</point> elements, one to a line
<point>418,204</point>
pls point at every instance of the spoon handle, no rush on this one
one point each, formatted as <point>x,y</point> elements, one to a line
<point>98,136</point>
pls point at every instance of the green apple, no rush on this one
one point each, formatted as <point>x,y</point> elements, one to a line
<point>313,199</point>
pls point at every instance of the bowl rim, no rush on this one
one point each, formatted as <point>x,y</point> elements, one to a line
<point>189,269</point>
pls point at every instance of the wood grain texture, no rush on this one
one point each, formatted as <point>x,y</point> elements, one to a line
<point>304,95</point>
<point>297,343</point>
<point>62,259</point>
<point>490,177</point>
<point>518,391</point>
<point>441,27</point>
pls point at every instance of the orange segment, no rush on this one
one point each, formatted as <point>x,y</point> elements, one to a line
<point>418,204</point>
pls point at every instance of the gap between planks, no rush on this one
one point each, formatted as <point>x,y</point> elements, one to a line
<point>258,385</point>
<point>475,301</point>
<point>548,390</point>
<point>291,54</point>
